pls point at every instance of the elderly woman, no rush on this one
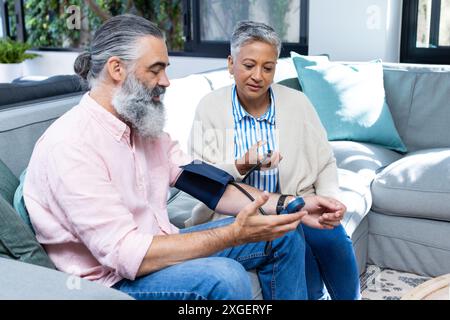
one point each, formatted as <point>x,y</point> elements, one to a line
<point>235,125</point>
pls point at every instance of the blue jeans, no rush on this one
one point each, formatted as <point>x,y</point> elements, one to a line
<point>223,275</point>
<point>331,268</point>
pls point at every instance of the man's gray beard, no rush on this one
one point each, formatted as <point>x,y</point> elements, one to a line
<point>135,106</point>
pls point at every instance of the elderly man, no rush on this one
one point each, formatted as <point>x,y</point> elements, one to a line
<point>98,179</point>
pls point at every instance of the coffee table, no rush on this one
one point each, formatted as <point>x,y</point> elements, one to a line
<point>433,289</point>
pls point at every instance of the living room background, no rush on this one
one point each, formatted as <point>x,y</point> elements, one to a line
<point>350,30</point>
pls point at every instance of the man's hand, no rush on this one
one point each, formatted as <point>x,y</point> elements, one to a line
<point>250,226</point>
<point>323,212</point>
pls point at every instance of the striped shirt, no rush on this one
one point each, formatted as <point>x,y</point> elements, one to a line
<point>248,130</point>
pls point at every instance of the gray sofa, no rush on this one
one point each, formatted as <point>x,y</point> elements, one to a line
<point>398,216</point>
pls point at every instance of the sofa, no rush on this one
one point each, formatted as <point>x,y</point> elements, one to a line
<point>398,214</point>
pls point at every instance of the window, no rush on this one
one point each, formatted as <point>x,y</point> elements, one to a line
<point>426,32</point>
<point>8,19</point>
<point>209,23</point>
<point>192,27</point>
<point>62,24</point>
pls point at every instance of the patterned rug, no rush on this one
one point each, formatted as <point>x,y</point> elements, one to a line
<point>386,284</point>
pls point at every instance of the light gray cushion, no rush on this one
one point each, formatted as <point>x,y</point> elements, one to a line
<point>22,126</point>
<point>363,158</point>
<point>418,99</point>
<point>179,207</point>
<point>22,281</point>
<point>414,245</point>
<point>415,186</point>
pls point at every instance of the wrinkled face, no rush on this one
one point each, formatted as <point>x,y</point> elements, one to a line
<point>253,69</point>
<point>138,100</point>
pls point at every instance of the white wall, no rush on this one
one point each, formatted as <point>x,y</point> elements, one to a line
<point>183,66</point>
<point>355,30</point>
<point>52,63</point>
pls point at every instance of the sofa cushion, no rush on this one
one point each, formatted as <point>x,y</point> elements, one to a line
<point>415,186</point>
<point>179,207</point>
<point>22,281</point>
<point>181,100</point>
<point>21,91</point>
<point>365,159</point>
<point>355,194</point>
<point>22,126</point>
<point>8,183</point>
<point>16,239</point>
<point>350,100</point>
<point>19,203</point>
<point>418,98</point>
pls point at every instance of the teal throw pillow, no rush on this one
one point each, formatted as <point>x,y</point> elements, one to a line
<point>19,203</point>
<point>349,99</point>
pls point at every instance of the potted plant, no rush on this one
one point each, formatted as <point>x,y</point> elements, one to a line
<point>12,54</point>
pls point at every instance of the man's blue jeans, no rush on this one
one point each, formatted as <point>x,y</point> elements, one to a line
<point>328,254</point>
<point>223,275</point>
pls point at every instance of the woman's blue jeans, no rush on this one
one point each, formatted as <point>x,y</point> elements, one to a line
<point>331,268</point>
<point>327,256</point>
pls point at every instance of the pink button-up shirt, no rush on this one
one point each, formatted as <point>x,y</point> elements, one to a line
<point>97,195</point>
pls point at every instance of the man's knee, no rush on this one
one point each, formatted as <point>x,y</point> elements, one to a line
<point>291,241</point>
<point>227,279</point>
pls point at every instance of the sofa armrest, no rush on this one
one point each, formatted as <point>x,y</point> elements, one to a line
<point>23,281</point>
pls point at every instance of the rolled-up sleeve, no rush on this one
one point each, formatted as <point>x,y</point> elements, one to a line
<point>176,158</point>
<point>82,188</point>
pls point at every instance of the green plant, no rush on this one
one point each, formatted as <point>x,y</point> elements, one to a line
<point>14,52</point>
<point>46,20</point>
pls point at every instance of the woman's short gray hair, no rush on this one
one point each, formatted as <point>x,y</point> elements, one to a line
<point>249,31</point>
<point>116,37</point>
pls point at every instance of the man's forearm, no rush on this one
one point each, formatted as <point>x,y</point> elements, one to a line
<point>168,250</point>
<point>233,200</point>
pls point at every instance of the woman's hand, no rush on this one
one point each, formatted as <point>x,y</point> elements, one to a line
<point>253,157</point>
<point>323,212</point>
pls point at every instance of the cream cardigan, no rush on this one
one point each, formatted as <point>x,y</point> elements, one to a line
<point>308,165</point>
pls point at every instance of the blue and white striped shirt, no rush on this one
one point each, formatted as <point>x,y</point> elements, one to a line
<point>248,130</point>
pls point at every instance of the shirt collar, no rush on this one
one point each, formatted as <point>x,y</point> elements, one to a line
<point>116,127</point>
<point>239,111</point>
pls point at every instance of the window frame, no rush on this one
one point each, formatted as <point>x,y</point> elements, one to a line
<point>4,14</point>
<point>409,52</point>
<point>194,46</point>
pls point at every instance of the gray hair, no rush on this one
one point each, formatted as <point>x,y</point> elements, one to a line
<point>116,37</point>
<point>249,31</point>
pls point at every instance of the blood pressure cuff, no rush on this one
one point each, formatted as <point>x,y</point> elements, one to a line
<point>204,182</point>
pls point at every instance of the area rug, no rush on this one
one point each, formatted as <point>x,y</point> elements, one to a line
<point>386,284</point>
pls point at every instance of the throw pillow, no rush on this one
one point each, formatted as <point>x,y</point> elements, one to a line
<point>8,183</point>
<point>19,203</point>
<point>349,99</point>
<point>17,241</point>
